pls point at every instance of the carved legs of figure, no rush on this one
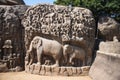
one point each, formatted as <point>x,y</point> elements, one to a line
<point>39,54</point>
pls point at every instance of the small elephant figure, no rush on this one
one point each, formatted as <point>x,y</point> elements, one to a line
<point>70,52</point>
<point>47,47</point>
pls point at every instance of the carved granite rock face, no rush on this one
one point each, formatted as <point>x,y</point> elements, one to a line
<point>67,25</point>
<point>107,62</point>
<point>12,2</point>
<point>72,25</point>
<point>108,28</point>
<point>110,46</point>
<point>11,29</point>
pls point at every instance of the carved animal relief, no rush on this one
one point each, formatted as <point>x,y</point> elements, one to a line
<point>58,35</point>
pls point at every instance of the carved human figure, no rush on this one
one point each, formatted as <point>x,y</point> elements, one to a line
<point>115,39</point>
<point>70,52</point>
<point>10,61</point>
<point>18,60</point>
<point>14,60</point>
<point>7,47</point>
<point>47,47</point>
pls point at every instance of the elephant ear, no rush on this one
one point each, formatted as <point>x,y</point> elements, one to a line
<point>71,49</point>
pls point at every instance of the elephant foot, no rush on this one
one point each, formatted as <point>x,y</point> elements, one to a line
<point>55,65</point>
<point>38,63</point>
<point>72,63</point>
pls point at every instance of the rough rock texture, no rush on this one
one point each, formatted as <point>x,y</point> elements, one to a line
<point>3,68</point>
<point>12,30</point>
<point>64,22</point>
<point>59,71</point>
<point>108,28</point>
<point>110,47</point>
<point>12,2</point>
<point>107,62</point>
<point>68,25</point>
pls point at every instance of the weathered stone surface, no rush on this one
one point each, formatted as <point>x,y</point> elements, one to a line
<point>74,25</point>
<point>18,69</point>
<point>55,70</point>
<point>106,66</point>
<point>110,47</point>
<point>108,28</point>
<point>69,71</point>
<point>12,2</point>
<point>76,55</point>
<point>48,70</point>
<point>74,70</point>
<point>54,20</point>
<point>37,69</point>
<point>27,68</point>
<point>79,70</point>
<point>85,68</point>
<point>12,30</point>
<point>42,71</point>
<point>3,68</point>
<point>63,71</point>
<point>32,67</point>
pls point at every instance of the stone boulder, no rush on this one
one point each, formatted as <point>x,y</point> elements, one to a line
<point>74,25</point>
<point>108,28</point>
<point>107,62</point>
<point>110,47</point>
<point>12,2</point>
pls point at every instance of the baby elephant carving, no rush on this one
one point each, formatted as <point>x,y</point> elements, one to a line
<point>47,47</point>
<point>70,52</point>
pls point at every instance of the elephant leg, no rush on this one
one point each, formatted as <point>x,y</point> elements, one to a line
<point>65,59</point>
<point>56,63</point>
<point>27,60</point>
<point>89,61</point>
<point>84,61</point>
<point>31,58</point>
<point>70,61</point>
<point>31,61</point>
<point>39,53</point>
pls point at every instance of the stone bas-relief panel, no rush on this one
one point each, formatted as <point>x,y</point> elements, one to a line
<point>48,28</point>
<point>72,24</point>
<point>12,36</point>
<point>12,2</point>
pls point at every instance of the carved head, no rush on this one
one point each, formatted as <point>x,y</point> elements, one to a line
<point>37,42</point>
<point>8,42</point>
<point>68,49</point>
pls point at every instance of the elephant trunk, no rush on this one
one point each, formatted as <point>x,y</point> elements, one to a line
<point>64,56</point>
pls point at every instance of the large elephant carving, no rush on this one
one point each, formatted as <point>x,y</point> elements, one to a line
<point>70,52</point>
<point>47,47</point>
